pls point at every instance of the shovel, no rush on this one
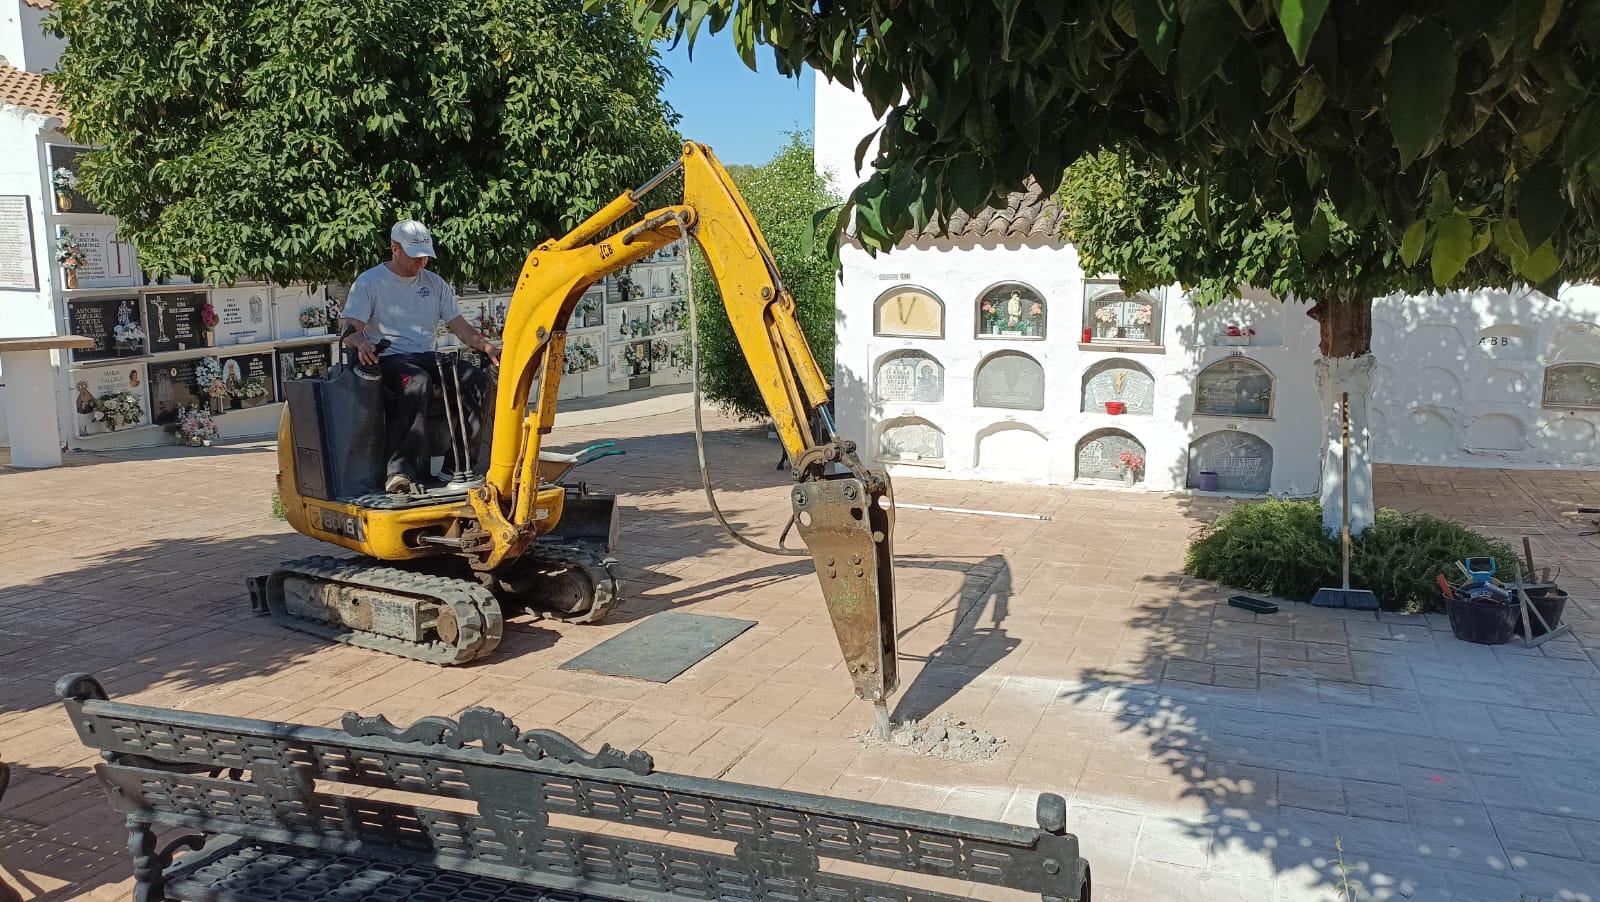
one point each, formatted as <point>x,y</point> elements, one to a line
<point>1345,597</point>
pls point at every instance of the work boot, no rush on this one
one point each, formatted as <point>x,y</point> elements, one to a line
<point>397,484</point>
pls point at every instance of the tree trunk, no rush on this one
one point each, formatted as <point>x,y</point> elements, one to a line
<point>1346,366</point>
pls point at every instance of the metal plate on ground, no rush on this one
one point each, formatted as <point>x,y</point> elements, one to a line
<point>660,647</point>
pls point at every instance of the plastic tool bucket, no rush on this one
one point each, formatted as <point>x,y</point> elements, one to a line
<point>1551,603</point>
<point>1483,623</point>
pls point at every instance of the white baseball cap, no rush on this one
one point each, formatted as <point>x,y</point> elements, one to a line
<point>413,238</point>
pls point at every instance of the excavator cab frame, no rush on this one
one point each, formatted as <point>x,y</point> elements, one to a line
<point>843,511</point>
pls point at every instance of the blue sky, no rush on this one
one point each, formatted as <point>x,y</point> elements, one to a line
<point>743,115</point>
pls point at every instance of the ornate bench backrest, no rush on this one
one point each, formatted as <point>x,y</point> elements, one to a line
<point>478,795</point>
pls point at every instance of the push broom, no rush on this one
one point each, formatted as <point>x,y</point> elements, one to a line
<point>1345,597</point>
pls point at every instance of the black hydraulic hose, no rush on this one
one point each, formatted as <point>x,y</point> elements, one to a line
<point>699,427</point>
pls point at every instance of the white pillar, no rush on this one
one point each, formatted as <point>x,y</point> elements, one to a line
<point>29,397</point>
<point>1335,376</point>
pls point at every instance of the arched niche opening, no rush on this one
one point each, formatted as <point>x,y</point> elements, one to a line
<point>1233,387</point>
<point>1119,381</point>
<point>1572,385</point>
<point>1009,379</point>
<point>1012,447</point>
<point>907,311</point>
<point>1101,453</point>
<point>1576,343</point>
<point>1235,461</point>
<point>1011,310</point>
<point>911,440</point>
<point>1119,318</point>
<point>908,377</point>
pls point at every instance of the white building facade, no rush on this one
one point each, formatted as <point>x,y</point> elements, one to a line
<point>980,350</point>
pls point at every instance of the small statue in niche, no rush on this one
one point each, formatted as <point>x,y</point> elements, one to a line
<point>85,401</point>
<point>1013,309</point>
<point>1118,381</point>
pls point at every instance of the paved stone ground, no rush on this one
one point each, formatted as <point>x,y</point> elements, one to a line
<point>1207,753</point>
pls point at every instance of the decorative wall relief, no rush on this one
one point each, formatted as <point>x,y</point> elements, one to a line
<point>1119,381</point>
<point>1242,462</point>
<point>1572,385</point>
<point>909,312</point>
<point>910,376</point>
<point>1100,455</point>
<point>1011,310</point>
<point>911,441</point>
<point>1233,387</point>
<point>1009,379</point>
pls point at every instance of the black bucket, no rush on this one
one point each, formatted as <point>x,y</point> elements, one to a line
<point>1482,623</point>
<point>1551,603</point>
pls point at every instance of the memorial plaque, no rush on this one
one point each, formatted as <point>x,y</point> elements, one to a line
<point>1233,387</point>
<point>172,388</point>
<point>1116,317</point>
<point>1101,452</point>
<point>1242,462</point>
<point>911,441</point>
<point>309,362</point>
<point>911,313</point>
<point>589,312</point>
<point>174,321</point>
<point>98,319</point>
<point>1014,381</point>
<point>242,315</point>
<point>108,260</point>
<point>93,386</point>
<point>1572,385</point>
<point>249,380</point>
<point>19,265</point>
<point>64,180</point>
<point>911,376</point>
<point>1116,380</point>
<point>1011,310</point>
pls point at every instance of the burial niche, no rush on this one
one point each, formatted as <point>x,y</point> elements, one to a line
<point>1233,387</point>
<point>1119,381</point>
<point>1009,379</point>
<point>1242,462</point>
<point>910,376</point>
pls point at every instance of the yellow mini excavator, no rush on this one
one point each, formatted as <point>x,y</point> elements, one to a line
<point>436,569</point>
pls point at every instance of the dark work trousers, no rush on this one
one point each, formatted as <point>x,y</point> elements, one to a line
<point>408,382</point>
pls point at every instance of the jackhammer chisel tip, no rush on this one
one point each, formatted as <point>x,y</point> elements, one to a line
<point>881,708</point>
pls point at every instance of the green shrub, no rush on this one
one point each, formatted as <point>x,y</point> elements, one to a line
<point>1279,548</point>
<point>277,507</point>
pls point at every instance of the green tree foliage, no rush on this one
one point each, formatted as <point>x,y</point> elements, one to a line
<point>247,138</point>
<point>782,194</point>
<point>1279,104</point>
<point>1155,228</point>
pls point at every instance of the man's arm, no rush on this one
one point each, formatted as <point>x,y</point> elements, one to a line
<point>473,339</point>
<point>365,350</point>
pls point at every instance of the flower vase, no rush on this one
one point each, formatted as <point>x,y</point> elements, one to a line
<point>1116,408</point>
<point>63,201</point>
<point>1127,477</point>
<point>1236,340</point>
<point>216,404</point>
<point>206,442</point>
<point>71,278</point>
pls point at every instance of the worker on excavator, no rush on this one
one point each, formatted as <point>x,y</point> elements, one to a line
<point>400,302</point>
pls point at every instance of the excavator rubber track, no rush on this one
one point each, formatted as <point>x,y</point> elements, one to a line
<point>357,601</point>
<point>570,583</point>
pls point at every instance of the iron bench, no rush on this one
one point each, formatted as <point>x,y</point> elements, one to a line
<point>474,809</point>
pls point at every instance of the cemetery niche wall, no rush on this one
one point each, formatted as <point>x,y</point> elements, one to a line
<point>1114,382</point>
<point>911,440</point>
<point>1230,461</point>
<point>910,377</point>
<point>1010,380</point>
<point>1233,387</point>
<point>907,311</point>
<point>1011,310</point>
<point>1100,455</point>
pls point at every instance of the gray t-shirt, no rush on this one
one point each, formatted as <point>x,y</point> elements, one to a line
<point>405,311</point>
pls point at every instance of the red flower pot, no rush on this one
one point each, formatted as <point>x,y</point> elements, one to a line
<point>1116,407</point>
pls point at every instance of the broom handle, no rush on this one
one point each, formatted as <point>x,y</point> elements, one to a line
<point>1344,481</point>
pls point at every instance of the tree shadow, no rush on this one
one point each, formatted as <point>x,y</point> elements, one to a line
<point>59,837</point>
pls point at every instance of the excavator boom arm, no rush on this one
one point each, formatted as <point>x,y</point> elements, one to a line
<point>843,511</point>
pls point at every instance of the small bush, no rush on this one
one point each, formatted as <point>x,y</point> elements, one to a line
<point>1279,548</point>
<point>277,507</point>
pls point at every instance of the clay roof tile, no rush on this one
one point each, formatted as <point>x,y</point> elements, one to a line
<point>21,88</point>
<point>1029,213</point>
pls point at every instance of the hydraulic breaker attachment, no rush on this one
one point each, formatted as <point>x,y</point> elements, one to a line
<point>848,524</point>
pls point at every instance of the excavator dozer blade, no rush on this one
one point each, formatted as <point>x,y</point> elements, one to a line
<point>850,530</point>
